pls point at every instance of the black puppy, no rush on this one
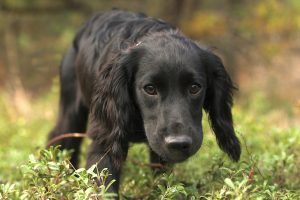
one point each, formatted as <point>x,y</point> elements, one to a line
<point>135,78</point>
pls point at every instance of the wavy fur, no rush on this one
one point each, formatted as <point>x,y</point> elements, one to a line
<point>98,75</point>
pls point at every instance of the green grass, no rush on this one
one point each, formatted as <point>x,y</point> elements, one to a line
<point>268,168</point>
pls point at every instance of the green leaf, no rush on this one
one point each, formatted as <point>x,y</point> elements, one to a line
<point>229,182</point>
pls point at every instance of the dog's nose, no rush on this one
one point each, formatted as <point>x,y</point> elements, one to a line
<point>180,143</point>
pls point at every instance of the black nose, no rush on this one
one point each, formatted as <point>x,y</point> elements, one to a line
<point>180,143</point>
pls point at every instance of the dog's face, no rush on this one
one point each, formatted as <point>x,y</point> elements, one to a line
<point>170,87</point>
<point>162,84</point>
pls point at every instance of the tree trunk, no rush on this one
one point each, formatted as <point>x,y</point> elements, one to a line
<point>16,89</point>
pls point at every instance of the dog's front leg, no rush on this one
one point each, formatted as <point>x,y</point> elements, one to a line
<point>108,158</point>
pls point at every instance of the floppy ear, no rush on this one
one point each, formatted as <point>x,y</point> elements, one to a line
<point>112,108</point>
<point>218,102</point>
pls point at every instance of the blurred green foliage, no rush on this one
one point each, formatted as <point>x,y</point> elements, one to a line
<point>40,31</point>
<point>268,168</point>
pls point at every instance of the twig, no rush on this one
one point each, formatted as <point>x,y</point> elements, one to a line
<point>251,157</point>
<point>64,136</point>
<point>141,164</point>
<point>83,135</point>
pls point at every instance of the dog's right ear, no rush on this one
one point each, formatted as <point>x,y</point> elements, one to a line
<point>218,102</point>
<point>112,106</point>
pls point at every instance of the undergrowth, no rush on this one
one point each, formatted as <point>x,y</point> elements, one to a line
<point>268,168</point>
<point>50,175</point>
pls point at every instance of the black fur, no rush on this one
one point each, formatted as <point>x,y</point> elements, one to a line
<point>105,78</point>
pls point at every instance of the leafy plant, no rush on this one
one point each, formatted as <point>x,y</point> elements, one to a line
<point>268,168</point>
<point>50,175</point>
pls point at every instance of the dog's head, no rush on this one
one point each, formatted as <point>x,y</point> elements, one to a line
<point>168,79</point>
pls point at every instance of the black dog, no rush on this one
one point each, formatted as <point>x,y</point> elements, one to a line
<point>136,78</point>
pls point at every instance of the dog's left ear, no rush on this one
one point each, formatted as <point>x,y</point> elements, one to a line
<point>218,102</point>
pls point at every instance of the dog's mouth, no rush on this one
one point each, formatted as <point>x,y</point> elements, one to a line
<point>174,156</point>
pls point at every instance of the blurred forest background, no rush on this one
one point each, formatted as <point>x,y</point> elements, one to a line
<point>258,40</point>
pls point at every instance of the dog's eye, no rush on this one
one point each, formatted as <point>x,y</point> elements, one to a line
<point>150,89</point>
<point>194,89</point>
